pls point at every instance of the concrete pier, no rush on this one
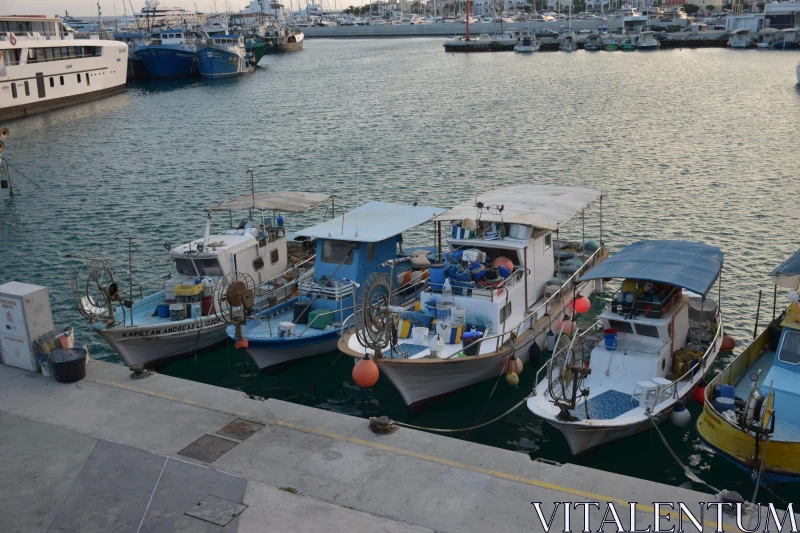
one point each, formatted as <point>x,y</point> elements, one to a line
<point>164,454</point>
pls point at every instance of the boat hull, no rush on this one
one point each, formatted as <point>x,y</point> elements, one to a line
<point>611,48</point>
<point>161,62</point>
<point>270,354</point>
<point>282,48</point>
<point>154,346</point>
<point>214,63</point>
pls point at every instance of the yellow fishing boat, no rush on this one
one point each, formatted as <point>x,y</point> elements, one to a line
<point>751,412</point>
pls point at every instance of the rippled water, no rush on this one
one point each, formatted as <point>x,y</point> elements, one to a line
<point>690,144</point>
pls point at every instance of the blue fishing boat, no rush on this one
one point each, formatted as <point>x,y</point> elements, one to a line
<point>170,54</point>
<point>224,56</point>
<point>349,249</point>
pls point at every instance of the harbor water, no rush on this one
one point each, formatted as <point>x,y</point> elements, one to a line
<point>685,144</point>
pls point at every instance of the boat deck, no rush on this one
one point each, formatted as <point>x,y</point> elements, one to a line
<point>267,327</point>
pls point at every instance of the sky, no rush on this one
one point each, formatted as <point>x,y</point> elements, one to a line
<point>89,7</point>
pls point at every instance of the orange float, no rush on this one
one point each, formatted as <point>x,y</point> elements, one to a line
<point>582,304</point>
<point>728,343</point>
<point>366,373</point>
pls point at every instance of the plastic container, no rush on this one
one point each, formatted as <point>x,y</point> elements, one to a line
<point>208,304</point>
<point>724,404</point>
<point>458,315</point>
<point>419,335</point>
<point>727,391</point>
<point>177,312</point>
<point>68,366</point>
<point>163,310</point>
<point>430,308</point>
<point>468,339</point>
<point>610,336</point>
<point>437,276</point>
<point>188,290</point>
<point>197,310</point>
<point>450,333</point>
<point>520,232</point>
<point>301,312</point>
<point>443,310</point>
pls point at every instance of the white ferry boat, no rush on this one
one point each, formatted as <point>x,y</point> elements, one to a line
<point>42,67</point>
<point>154,14</point>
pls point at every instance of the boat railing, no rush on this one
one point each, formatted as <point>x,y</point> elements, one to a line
<point>514,331</point>
<point>158,280</point>
<point>637,306</point>
<point>266,289</point>
<point>694,369</point>
<point>546,365</point>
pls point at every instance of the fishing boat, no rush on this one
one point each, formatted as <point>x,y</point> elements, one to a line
<point>661,336</point>
<point>568,43</point>
<point>284,38</point>
<point>349,249</point>
<point>42,67</point>
<point>491,299</point>
<point>648,41</point>
<point>628,45</point>
<point>182,316</point>
<point>593,43</point>
<point>611,46</point>
<point>741,38</point>
<point>223,56</point>
<point>170,53</point>
<point>527,45</point>
<point>751,410</point>
<point>797,72</point>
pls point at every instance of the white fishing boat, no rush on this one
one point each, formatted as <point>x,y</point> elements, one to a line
<point>182,316</point>
<point>797,72</point>
<point>648,41</point>
<point>661,336</point>
<point>42,67</point>
<point>527,45</point>
<point>491,299</point>
<point>741,38</point>
<point>568,43</point>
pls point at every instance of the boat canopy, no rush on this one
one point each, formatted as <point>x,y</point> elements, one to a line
<point>372,222</point>
<point>286,201</point>
<point>689,265</point>
<point>540,206</point>
<point>788,273</point>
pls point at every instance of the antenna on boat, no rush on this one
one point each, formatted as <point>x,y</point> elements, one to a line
<point>252,186</point>
<point>358,186</point>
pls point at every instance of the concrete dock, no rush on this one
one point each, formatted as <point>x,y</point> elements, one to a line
<point>164,454</point>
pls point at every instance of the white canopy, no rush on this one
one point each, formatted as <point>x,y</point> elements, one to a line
<point>540,206</point>
<point>286,201</point>
<point>372,222</point>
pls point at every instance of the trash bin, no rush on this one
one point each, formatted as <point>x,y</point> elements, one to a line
<point>68,365</point>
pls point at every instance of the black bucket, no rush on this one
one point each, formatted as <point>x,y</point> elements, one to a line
<point>68,366</point>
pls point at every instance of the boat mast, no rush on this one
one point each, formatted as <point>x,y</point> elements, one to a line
<point>466,7</point>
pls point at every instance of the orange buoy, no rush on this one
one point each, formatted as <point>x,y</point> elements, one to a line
<point>514,365</point>
<point>512,379</point>
<point>241,344</point>
<point>582,304</point>
<point>728,343</point>
<point>567,326</point>
<point>366,373</point>
<point>700,394</point>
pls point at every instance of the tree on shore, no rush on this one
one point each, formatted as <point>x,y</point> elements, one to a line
<point>690,9</point>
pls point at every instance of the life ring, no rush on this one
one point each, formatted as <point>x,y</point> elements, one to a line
<point>12,40</point>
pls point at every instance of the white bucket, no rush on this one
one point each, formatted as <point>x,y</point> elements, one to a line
<point>419,335</point>
<point>458,314</point>
<point>443,310</point>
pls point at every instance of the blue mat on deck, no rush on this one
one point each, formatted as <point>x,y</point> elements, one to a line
<point>607,405</point>
<point>404,351</point>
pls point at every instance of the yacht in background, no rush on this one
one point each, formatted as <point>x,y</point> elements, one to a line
<point>43,67</point>
<point>155,15</point>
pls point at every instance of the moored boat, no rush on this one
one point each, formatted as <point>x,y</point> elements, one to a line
<point>611,46</point>
<point>593,43</point>
<point>648,41</point>
<point>182,317</point>
<point>568,43</point>
<point>741,38</point>
<point>493,301</point>
<point>224,56</point>
<point>661,336</point>
<point>527,45</point>
<point>349,248</point>
<point>628,45</point>
<point>169,54</point>
<point>751,410</point>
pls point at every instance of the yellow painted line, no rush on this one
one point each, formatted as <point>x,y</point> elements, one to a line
<point>422,456</point>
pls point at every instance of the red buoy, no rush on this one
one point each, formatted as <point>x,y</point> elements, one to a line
<point>700,395</point>
<point>728,343</point>
<point>366,373</point>
<point>582,304</point>
<point>514,365</point>
<point>241,344</point>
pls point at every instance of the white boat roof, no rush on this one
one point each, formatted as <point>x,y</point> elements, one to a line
<point>216,243</point>
<point>540,206</point>
<point>372,222</point>
<point>286,201</point>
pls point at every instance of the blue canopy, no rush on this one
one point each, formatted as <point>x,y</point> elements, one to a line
<point>788,273</point>
<point>690,265</point>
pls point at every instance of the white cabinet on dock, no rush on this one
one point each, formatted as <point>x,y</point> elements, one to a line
<point>25,314</point>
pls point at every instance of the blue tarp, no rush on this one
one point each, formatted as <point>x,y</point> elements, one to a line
<point>690,265</point>
<point>788,273</point>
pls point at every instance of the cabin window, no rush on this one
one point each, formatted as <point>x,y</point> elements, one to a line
<point>79,77</point>
<point>646,330</point>
<point>622,327</point>
<point>258,263</point>
<point>11,57</point>
<point>273,257</point>
<point>505,312</point>
<point>49,54</point>
<point>52,82</point>
<point>370,251</point>
<point>87,78</point>
<point>790,348</point>
<point>57,53</point>
<point>13,90</point>
<point>62,80</point>
<point>185,267</point>
<point>338,252</point>
<point>548,241</point>
<point>208,267</point>
<point>27,89</point>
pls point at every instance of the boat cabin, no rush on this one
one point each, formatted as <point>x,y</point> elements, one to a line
<point>173,36</point>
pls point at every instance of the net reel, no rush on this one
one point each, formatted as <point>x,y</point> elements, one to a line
<point>95,292</point>
<point>375,313</point>
<point>234,298</point>
<point>566,374</point>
